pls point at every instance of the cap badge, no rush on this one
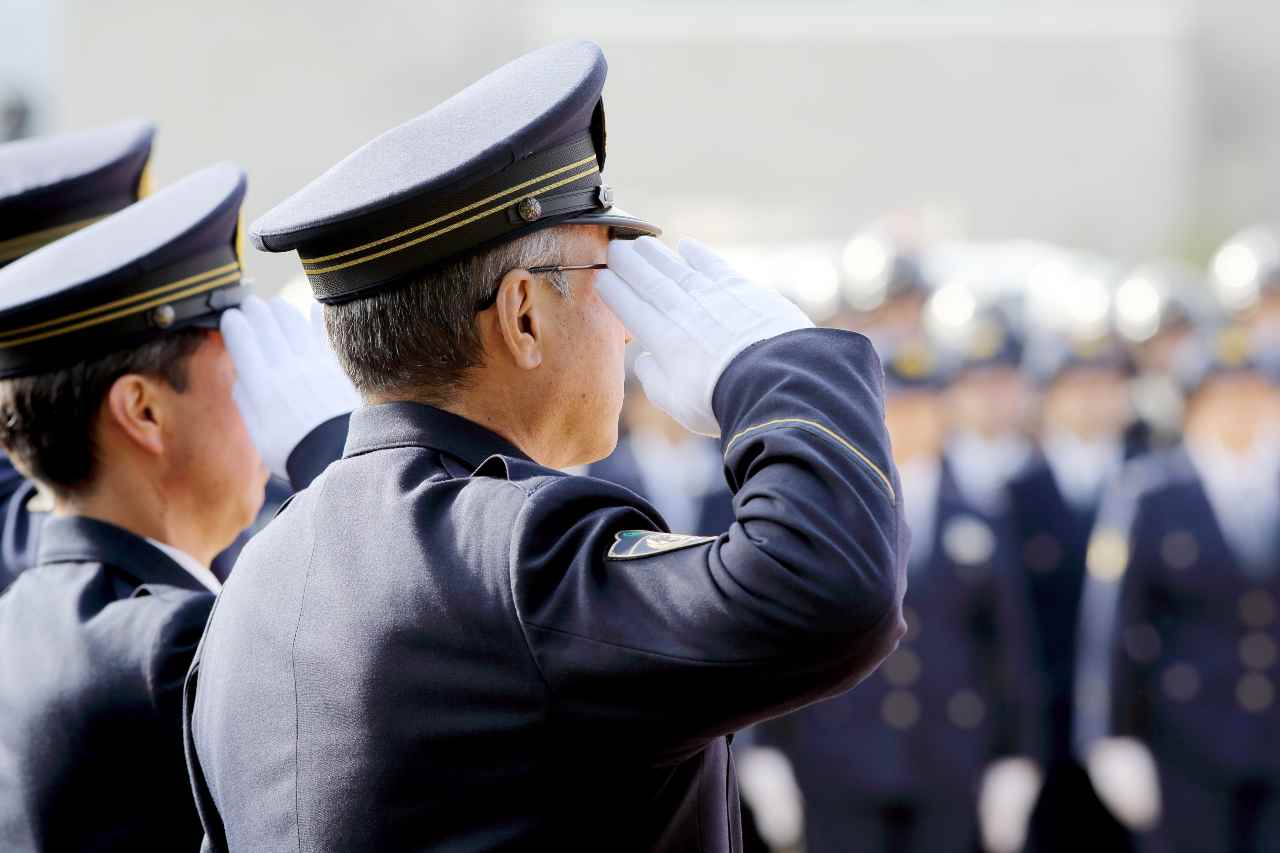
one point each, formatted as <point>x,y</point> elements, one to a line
<point>915,361</point>
<point>530,209</point>
<point>986,341</point>
<point>164,316</point>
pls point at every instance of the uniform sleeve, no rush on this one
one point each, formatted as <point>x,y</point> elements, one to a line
<point>1107,689</point>
<point>694,637</point>
<point>171,652</point>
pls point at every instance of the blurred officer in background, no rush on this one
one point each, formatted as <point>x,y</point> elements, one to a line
<point>1245,273</point>
<point>448,642</point>
<point>1159,306</point>
<point>680,473</point>
<point>1184,584</point>
<point>51,187</point>
<point>883,290</point>
<point>899,763</point>
<point>986,403</point>
<point>1084,376</point>
<point>118,396</point>
<point>1054,499</point>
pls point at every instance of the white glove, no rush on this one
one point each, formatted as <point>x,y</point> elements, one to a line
<point>769,787</point>
<point>288,381</point>
<point>1008,794</point>
<point>1124,775</point>
<point>692,315</point>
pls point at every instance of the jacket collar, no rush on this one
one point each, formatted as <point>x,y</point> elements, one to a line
<point>403,424</point>
<point>75,539</point>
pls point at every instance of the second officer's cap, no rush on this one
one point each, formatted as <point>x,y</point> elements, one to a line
<point>167,262</point>
<point>520,149</point>
<point>52,186</point>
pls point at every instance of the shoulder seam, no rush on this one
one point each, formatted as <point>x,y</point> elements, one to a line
<point>293,671</point>
<point>511,588</point>
<point>153,648</point>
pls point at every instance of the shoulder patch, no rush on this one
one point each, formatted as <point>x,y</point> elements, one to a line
<point>635,544</point>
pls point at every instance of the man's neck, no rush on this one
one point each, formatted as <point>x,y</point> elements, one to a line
<point>501,414</point>
<point>142,509</point>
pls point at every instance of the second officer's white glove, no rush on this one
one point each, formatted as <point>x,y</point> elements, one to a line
<point>1008,794</point>
<point>288,381</point>
<point>769,786</point>
<point>1124,774</point>
<point>692,314</point>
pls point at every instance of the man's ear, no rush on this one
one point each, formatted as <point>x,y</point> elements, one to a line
<point>134,407</point>
<point>518,320</point>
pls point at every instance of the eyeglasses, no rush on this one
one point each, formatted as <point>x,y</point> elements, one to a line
<point>489,300</point>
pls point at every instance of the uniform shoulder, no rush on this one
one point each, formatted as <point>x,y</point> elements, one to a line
<point>175,620</point>
<point>533,479</point>
<point>555,506</point>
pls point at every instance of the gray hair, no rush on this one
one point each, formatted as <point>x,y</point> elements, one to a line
<point>419,337</point>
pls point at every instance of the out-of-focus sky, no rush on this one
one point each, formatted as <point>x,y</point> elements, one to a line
<point>1127,127</point>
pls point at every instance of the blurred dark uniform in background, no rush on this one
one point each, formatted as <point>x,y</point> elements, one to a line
<point>1053,504</point>
<point>896,764</point>
<point>1189,564</point>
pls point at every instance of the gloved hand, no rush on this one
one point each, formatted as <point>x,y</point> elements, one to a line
<point>1008,794</point>
<point>692,315</point>
<point>1124,775</point>
<point>769,786</point>
<point>288,381</point>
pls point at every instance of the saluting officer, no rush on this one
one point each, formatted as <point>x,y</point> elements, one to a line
<point>898,764</point>
<point>118,396</point>
<point>50,187</point>
<point>448,643</point>
<point>1184,587</point>
<point>987,402</point>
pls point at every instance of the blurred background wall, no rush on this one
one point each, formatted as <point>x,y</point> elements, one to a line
<point>1129,127</point>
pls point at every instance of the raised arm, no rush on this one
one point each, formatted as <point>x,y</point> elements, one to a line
<point>800,598</point>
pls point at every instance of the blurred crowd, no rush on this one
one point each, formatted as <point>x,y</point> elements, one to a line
<point>1090,462</point>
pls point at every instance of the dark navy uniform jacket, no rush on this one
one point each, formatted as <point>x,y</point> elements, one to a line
<point>1195,666</point>
<point>447,646</point>
<point>95,642</point>
<point>20,524</point>
<point>1052,538</point>
<point>961,690</point>
<point>94,645</point>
